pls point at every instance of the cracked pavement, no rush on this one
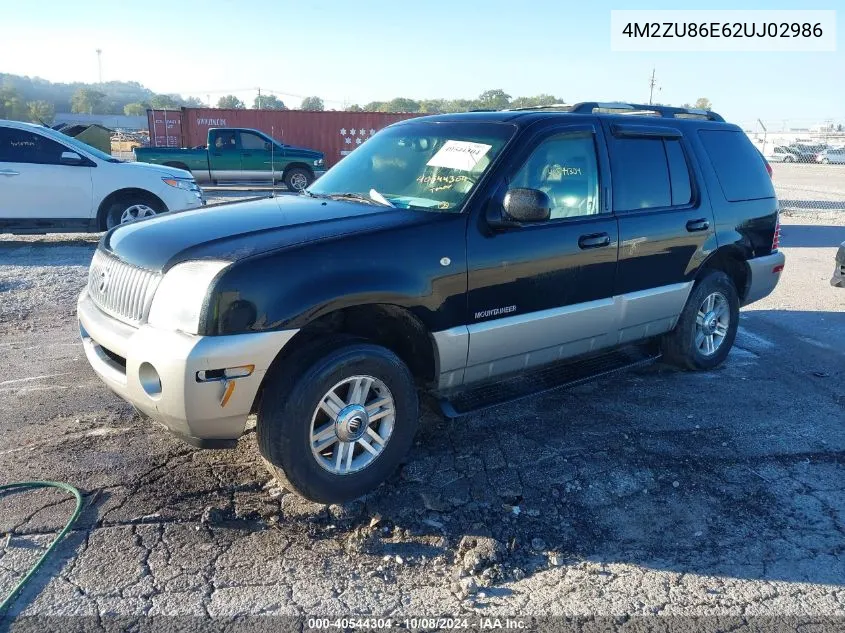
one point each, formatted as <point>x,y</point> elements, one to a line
<point>655,492</point>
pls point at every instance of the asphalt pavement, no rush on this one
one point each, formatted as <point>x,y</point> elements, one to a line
<point>654,493</point>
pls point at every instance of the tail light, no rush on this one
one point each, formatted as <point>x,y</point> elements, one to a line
<point>768,168</point>
<point>776,238</point>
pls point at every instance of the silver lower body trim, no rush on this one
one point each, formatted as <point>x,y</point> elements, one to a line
<point>762,276</point>
<point>480,351</point>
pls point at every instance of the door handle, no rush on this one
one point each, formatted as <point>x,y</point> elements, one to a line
<point>9,172</point>
<point>216,154</point>
<point>596,240</point>
<point>698,225</point>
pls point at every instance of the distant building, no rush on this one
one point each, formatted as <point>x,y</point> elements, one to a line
<point>111,121</point>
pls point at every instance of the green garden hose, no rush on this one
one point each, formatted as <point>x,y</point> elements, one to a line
<point>7,601</point>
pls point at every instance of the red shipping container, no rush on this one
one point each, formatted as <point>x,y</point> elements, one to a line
<point>333,133</point>
<point>165,128</point>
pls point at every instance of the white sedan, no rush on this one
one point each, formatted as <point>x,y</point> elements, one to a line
<point>831,156</point>
<point>52,182</point>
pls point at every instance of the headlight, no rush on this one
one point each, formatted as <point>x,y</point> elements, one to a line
<point>188,184</point>
<point>319,162</point>
<point>179,298</point>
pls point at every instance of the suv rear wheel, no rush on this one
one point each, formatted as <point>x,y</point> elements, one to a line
<point>707,326</point>
<point>337,419</point>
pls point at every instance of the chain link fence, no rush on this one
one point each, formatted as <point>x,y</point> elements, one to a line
<point>808,162</point>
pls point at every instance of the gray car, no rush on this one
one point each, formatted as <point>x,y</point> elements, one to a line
<point>831,156</point>
<point>838,279</point>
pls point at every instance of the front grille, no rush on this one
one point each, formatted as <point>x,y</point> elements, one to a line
<point>122,290</point>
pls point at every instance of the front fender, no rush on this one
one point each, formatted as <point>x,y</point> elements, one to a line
<point>421,268</point>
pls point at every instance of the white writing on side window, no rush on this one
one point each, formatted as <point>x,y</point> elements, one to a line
<point>462,155</point>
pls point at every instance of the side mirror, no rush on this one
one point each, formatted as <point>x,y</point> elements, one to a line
<point>268,146</point>
<point>71,158</point>
<point>521,206</point>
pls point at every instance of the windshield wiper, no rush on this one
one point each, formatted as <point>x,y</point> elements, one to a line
<point>305,192</point>
<point>359,197</point>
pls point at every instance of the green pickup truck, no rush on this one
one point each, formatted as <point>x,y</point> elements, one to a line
<point>241,155</point>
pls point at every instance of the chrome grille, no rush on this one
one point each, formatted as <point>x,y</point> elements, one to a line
<point>119,289</point>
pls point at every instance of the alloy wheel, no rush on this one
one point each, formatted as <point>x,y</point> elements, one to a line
<point>712,323</point>
<point>352,424</point>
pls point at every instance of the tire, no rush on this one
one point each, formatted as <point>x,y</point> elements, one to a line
<point>290,413</point>
<point>297,179</point>
<point>825,161</point>
<point>129,208</point>
<point>686,345</point>
<point>788,159</point>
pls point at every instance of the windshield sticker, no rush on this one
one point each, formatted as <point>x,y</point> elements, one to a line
<point>557,171</point>
<point>432,180</point>
<point>461,155</point>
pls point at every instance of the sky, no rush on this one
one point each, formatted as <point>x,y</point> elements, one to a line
<point>361,51</point>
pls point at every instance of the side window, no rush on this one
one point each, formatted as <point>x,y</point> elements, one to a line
<point>640,174</point>
<point>22,146</point>
<point>564,166</point>
<point>225,140</point>
<point>679,176</point>
<point>739,168</point>
<point>251,141</point>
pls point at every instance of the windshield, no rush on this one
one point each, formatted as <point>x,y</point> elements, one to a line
<point>77,144</point>
<point>418,165</point>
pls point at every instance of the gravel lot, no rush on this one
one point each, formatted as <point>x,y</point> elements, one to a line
<point>657,492</point>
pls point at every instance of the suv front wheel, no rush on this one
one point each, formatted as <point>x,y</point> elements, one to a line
<point>336,419</point>
<point>707,326</point>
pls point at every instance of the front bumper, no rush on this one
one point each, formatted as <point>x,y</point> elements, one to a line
<point>764,274</point>
<point>157,372</point>
<point>838,279</point>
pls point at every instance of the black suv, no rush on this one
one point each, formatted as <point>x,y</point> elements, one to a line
<point>474,257</point>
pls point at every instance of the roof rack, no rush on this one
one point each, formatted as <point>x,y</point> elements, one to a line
<point>590,107</point>
<point>551,106</point>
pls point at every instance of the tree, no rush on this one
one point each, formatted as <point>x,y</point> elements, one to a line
<point>354,108</point>
<point>135,109</point>
<point>11,105</point>
<point>432,106</point>
<point>539,100</point>
<point>703,103</point>
<point>268,102</point>
<point>312,103</point>
<point>230,102</point>
<point>374,106</point>
<point>494,99</point>
<point>86,101</point>
<point>41,112</point>
<point>162,102</point>
<point>460,105</point>
<point>193,102</point>
<point>401,104</point>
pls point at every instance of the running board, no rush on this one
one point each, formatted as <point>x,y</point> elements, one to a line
<point>548,378</point>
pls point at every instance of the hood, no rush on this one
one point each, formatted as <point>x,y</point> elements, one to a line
<point>162,170</point>
<point>304,151</point>
<point>234,231</point>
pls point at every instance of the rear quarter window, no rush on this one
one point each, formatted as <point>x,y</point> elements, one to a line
<point>740,169</point>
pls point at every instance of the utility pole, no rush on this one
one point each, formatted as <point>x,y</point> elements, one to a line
<point>100,64</point>
<point>651,84</point>
<point>259,98</point>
